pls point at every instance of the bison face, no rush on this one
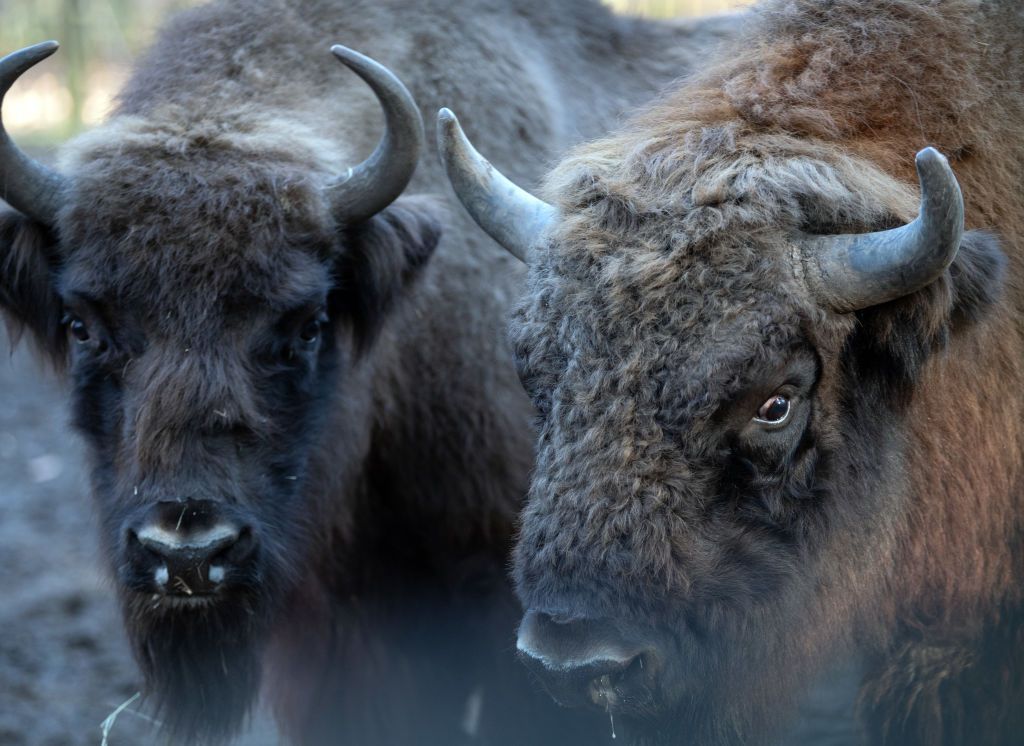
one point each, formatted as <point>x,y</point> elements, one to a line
<point>719,466</point>
<point>200,385</point>
<point>683,484</point>
<point>212,292</point>
<point>723,396</point>
<point>208,344</point>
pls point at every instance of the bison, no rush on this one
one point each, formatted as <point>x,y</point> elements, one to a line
<point>306,456</point>
<point>778,390</point>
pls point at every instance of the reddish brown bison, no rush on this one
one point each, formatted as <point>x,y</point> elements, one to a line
<point>306,456</point>
<point>781,418</point>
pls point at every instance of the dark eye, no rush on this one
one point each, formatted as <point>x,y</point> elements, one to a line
<point>775,411</point>
<point>310,331</point>
<point>77,329</point>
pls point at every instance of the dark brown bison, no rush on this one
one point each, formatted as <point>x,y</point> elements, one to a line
<point>780,418</point>
<point>307,457</point>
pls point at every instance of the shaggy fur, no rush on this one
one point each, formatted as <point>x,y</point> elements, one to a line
<point>379,466</point>
<point>665,306</point>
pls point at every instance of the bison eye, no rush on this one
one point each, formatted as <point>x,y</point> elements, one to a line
<point>310,331</point>
<point>775,411</point>
<point>77,329</point>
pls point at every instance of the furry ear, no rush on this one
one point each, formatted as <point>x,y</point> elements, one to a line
<point>893,340</point>
<point>381,258</point>
<point>28,296</point>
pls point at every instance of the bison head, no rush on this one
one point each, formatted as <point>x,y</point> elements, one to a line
<point>207,283</point>
<point>722,365</point>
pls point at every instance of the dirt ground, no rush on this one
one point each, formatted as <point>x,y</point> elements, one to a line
<point>64,663</point>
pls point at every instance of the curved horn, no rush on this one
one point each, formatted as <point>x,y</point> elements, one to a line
<point>511,216</point>
<point>375,183</point>
<point>850,272</point>
<point>29,186</point>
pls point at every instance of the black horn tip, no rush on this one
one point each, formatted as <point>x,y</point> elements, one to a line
<point>16,63</point>
<point>350,57</point>
<point>39,51</point>
<point>929,155</point>
<point>447,128</point>
<point>377,75</point>
<point>933,167</point>
<point>930,160</point>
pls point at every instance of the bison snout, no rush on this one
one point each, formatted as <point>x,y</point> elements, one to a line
<point>188,549</point>
<point>584,661</point>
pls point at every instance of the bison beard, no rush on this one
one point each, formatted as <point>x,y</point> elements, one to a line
<point>201,663</point>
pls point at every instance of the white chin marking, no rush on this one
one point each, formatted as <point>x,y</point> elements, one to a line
<point>161,576</point>
<point>216,573</point>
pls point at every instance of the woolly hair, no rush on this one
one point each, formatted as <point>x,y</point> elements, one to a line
<point>667,290</point>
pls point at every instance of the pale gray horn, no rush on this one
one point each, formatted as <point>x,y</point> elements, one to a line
<point>27,185</point>
<point>850,272</point>
<point>511,216</point>
<point>375,183</point>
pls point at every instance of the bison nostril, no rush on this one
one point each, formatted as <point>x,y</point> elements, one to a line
<point>589,661</point>
<point>608,690</point>
<point>189,557</point>
<point>161,575</point>
<point>602,691</point>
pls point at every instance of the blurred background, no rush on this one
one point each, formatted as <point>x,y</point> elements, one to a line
<point>100,38</point>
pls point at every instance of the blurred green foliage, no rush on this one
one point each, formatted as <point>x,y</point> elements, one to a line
<point>673,8</point>
<point>103,27</point>
<point>100,38</point>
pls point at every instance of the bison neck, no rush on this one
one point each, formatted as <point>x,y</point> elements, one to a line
<point>410,615</point>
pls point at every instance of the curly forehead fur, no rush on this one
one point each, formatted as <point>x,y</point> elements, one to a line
<point>861,74</point>
<point>174,212</point>
<point>669,295</point>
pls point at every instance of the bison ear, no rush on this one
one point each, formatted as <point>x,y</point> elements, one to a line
<point>381,258</point>
<point>28,296</point>
<point>893,340</point>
